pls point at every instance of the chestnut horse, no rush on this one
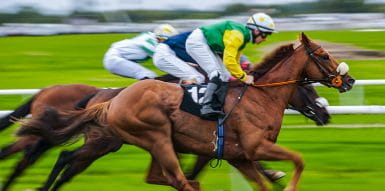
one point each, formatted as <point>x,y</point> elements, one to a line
<point>147,115</point>
<point>58,98</point>
<point>76,161</point>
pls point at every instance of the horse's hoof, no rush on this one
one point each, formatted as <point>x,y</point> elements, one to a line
<point>195,184</point>
<point>156,181</point>
<point>274,175</point>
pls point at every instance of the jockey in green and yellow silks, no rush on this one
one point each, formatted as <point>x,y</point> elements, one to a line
<point>227,38</point>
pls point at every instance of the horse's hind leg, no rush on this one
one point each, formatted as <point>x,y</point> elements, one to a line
<point>164,153</point>
<point>84,157</point>
<point>267,150</point>
<point>155,174</point>
<point>250,170</point>
<point>21,144</point>
<point>64,158</point>
<point>29,158</point>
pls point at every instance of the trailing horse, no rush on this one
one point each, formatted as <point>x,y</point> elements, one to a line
<point>58,97</point>
<point>54,98</point>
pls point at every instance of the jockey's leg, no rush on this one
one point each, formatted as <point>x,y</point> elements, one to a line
<point>166,60</point>
<point>211,63</point>
<point>114,63</point>
<point>214,97</point>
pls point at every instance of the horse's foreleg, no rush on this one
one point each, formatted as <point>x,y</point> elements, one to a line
<point>29,158</point>
<point>250,170</point>
<point>267,150</point>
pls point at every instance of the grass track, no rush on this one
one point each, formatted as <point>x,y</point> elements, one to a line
<point>336,159</point>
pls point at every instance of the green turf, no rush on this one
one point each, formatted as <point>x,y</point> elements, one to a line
<point>336,159</point>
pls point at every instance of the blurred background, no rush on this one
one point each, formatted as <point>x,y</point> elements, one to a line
<point>45,42</point>
<point>29,17</point>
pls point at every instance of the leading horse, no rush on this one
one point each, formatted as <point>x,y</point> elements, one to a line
<point>147,114</point>
<point>76,161</point>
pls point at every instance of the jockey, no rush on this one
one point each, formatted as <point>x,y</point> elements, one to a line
<point>171,57</point>
<point>123,56</point>
<point>227,38</point>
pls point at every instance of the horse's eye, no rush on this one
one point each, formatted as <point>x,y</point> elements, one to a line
<point>325,57</point>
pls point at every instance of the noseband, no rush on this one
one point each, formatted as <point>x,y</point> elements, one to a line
<point>331,80</point>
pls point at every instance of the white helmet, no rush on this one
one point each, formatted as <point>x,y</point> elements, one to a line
<point>164,31</point>
<point>262,22</point>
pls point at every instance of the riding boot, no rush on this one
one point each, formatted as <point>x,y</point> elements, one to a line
<point>214,99</point>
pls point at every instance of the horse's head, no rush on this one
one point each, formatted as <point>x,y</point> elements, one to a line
<point>323,67</point>
<point>306,101</point>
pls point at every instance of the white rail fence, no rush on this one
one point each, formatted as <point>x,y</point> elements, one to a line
<point>368,109</point>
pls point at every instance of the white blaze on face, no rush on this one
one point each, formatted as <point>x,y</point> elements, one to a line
<point>342,68</point>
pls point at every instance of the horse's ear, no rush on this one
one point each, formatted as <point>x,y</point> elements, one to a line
<point>304,39</point>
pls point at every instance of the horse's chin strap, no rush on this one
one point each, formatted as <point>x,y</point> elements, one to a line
<point>220,135</point>
<point>331,80</point>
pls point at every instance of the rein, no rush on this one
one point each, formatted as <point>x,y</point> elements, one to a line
<point>273,84</point>
<point>331,80</point>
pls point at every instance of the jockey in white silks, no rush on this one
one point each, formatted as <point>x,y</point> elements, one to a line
<point>123,56</point>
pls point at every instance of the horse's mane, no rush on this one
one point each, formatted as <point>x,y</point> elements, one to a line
<point>272,59</point>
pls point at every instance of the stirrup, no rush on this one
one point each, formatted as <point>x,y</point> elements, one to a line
<point>209,113</point>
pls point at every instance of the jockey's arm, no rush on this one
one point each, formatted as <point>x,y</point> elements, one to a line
<point>233,40</point>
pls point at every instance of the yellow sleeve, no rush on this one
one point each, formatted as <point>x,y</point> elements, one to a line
<point>233,40</point>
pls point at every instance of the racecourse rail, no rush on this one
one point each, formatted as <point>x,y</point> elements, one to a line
<point>368,109</point>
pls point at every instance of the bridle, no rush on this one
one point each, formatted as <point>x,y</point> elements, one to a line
<point>331,80</point>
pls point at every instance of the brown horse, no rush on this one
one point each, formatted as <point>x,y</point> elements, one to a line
<point>147,114</point>
<point>74,162</point>
<point>59,97</point>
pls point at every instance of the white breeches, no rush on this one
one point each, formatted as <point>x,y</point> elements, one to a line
<point>166,60</point>
<point>118,65</point>
<point>197,48</point>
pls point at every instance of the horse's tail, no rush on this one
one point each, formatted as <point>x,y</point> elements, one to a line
<point>59,128</point>
<point>18,113</point>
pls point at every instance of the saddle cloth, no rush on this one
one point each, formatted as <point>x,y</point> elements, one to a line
<point>193,98</point>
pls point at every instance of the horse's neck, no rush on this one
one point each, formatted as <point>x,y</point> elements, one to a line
<point>289,69</point>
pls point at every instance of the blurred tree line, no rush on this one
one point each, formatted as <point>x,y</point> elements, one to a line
<point>30,15</point>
